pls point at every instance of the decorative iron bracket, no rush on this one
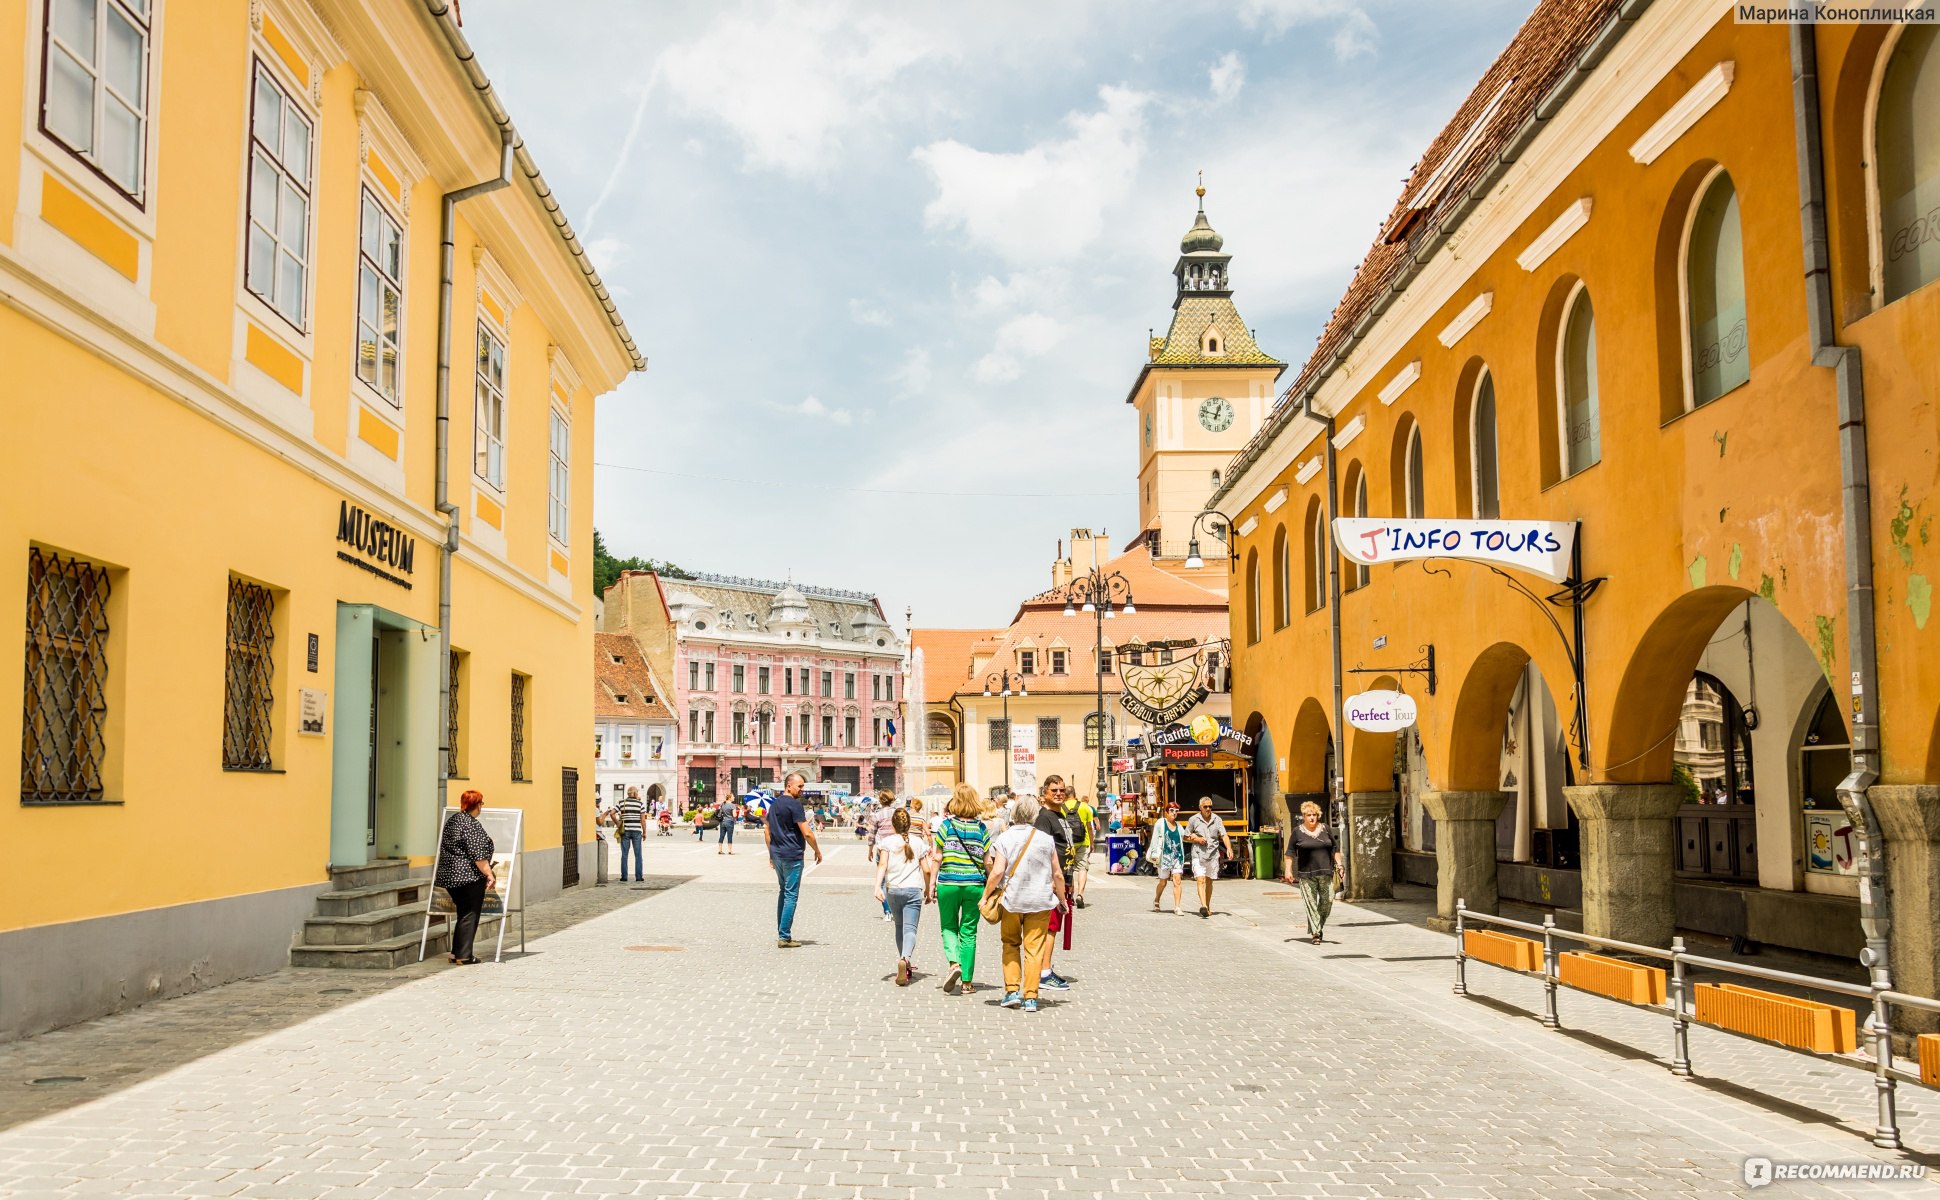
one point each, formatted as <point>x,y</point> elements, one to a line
<point>1424,666</point>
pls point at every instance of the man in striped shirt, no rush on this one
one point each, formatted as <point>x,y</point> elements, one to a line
<point>632,817</point>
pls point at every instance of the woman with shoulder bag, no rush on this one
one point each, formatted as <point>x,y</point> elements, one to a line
<point>962,843</point>
<point>1029,885</point>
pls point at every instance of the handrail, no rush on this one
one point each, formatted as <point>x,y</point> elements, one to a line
<point>1878,1025</point>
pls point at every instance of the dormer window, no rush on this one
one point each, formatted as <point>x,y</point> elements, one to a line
<point>616,658</point>
<point>619,698</point>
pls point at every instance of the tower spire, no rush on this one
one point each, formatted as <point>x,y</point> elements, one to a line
<point>1200,191</point>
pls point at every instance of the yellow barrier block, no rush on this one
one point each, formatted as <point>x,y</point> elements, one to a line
<point>1504,950</point>
<point>1930,1058</point>
<point>1612,977</point>
<point>1806,1024</point>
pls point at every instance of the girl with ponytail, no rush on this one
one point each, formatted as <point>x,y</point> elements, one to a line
<point>901,877</point>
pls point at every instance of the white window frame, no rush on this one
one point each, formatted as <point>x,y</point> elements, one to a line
<point>488,448</point>
<point>1316,529</point>
<point>1475,447</point>
<point>1875,219</point>
<point>367,266</point>
<point>559,479</point>
<point>1563,470</point>
<point>1684,280</point>
<point>1414,504</point>
<point>262,72</point>
<point>101,91</point>
<point>1363,574</point>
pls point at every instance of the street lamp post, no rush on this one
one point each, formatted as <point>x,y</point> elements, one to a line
<point>764,712</point>
<point>1001,680</point>
<point>1102,593</point>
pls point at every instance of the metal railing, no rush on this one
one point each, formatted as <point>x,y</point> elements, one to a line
<point>1878,1026</point>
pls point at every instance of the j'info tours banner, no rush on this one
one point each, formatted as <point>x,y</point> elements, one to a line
<point>1538,547</point>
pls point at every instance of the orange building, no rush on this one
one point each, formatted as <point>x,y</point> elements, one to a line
<point>1594,303</point>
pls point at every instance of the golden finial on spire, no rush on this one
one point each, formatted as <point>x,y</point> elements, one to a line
<point>1200,191</point>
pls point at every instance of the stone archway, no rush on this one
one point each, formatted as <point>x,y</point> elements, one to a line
<point>1372,801</point>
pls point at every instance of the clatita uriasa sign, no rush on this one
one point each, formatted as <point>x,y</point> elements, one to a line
<point>382,548</point>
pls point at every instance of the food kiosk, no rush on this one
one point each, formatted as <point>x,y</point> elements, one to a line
<point>1207,758</point>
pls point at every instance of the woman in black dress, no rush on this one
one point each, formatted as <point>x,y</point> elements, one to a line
<point>1317,863</point>
<point>465,872</point>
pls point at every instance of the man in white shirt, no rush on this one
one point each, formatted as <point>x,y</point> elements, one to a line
<point>1205,837</point>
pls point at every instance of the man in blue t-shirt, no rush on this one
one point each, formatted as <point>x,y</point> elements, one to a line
<point>788,834</point>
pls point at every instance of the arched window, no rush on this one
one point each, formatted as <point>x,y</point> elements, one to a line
<point>1714,294</point>
<point>940,732</point>
<point>1316,547</point>
<point>1576,385</point>
<point>1282,580</point>
<point>1482,462</point>
<point>1353,504</point>
<point>1252,595</point>
<point>1417,502</point>
<point>1906,151</point>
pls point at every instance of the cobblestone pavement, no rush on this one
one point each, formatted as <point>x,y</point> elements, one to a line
<point>108,1054</point>
<point>1220,1057</point>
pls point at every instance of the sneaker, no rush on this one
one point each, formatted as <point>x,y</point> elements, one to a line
<point>1055,982</point>
<point>787,944</point>
<point>1177,911</point>
<point>953,982</point>
<point>885,916</point>
<point>1030,1006</point>
<point>1010,1000</point>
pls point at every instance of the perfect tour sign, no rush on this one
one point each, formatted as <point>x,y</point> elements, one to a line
<point>1538,547</point>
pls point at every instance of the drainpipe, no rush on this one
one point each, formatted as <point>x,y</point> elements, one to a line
<point>1339,782</point>
<point>447,224</point>
<point>1875,897</point>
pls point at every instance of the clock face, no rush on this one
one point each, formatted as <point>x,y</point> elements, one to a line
<point>1216,414</point>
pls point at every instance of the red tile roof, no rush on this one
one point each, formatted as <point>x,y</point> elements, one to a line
<point>1543,53</point>
<point>620,670</point>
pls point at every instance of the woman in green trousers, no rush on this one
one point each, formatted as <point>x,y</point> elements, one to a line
<point>962,845</point>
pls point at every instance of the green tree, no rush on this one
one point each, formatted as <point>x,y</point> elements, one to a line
<point>606,568</point>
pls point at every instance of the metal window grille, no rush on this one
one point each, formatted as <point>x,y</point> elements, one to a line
<point>569,826</point>
<point>248,673</point>
<point>1048,730</point>
<point>518,726</point>
<point>1000,734</point>
<point>451,720</point>
<point>65,707</point>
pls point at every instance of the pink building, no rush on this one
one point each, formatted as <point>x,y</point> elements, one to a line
<point>769,678</point>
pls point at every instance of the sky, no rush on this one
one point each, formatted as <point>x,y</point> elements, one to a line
<point>894,264</point>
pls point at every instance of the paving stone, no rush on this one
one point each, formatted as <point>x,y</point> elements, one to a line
<point>1190,1058</point>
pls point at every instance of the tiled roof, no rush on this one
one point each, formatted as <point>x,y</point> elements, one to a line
<point>1043,630</point>
<point>1543,53</point>
<point>619,669</point>
<point>1184,344</point>
<point>947,655</point>
<point>1155,584</point>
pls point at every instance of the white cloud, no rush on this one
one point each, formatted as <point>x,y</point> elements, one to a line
<point>993,295</point>
<point>912,376</point>
<point>606,252</point>
<point>812,407</point>
<point>1047,201</point>
<point>789,84</point>
<point>1029,336</point>
<point>868,314</point>
<point>1354,32</point>
<point>1226,77</point>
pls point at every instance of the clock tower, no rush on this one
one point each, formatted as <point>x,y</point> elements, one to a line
<point>1205,388</point>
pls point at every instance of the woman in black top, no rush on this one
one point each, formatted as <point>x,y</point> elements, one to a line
<point>465,872</point>
<point>1317,862</point>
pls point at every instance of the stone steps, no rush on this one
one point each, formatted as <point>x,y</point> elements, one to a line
<point>392,952</point>
<point>372,918</point>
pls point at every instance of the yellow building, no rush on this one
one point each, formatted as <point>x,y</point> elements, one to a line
<point>1593,305</point>
<point>221,300</point>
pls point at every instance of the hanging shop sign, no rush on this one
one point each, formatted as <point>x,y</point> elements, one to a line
<point>1185,753</point>
<point>379,546</point>
<point>1380,711</point>
<point>1205,730</point>
<point>1538,547</point>
<point>1161,693</point>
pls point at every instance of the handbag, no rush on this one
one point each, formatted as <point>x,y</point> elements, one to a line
<point>991,904</point>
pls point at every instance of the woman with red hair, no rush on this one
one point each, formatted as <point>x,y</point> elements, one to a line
<point>465,872</point>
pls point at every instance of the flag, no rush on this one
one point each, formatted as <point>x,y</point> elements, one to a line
<point>891,724</point>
